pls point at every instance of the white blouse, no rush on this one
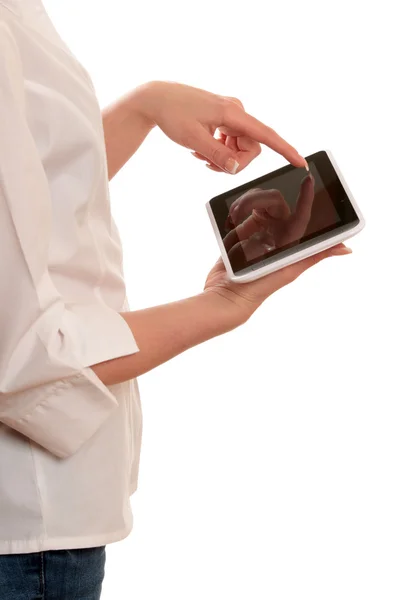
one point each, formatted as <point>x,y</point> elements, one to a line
<point>69,445</point>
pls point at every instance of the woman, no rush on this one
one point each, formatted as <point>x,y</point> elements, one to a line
<point>70,348</point>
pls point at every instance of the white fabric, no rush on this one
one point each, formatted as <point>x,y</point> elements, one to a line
<point>69,445</point>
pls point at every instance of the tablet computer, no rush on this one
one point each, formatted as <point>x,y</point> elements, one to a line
<point>283,217</point>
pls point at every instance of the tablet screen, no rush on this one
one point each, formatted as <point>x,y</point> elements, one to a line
<point>279,212</point>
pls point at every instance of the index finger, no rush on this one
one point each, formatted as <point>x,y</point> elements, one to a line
<point>239,120</point>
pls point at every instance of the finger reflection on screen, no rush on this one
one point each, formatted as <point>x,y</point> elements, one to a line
<point>261,221</point>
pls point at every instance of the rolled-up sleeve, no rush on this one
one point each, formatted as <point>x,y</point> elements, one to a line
<point>48,392</point>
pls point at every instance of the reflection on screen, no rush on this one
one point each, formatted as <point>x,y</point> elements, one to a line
<point>278,214</point>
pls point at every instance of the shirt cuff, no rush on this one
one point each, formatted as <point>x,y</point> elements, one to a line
<point>98,333</point>
<point>62,414</point>
<point>66,413</point>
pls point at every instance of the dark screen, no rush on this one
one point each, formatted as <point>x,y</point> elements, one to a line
<point>275,213</point>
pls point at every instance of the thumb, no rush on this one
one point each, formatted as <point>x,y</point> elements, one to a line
<point>216,152</point>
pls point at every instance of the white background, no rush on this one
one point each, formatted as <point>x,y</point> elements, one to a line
<point>280,461</point>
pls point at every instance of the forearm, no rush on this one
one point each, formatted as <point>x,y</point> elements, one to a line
<point>163,332</point>
<point>125,128</point>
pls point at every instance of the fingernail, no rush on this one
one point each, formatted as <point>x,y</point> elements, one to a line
<point>232,166</point>
<point>306,164</point>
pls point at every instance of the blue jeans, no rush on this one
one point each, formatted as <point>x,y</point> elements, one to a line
<point>53,575</point>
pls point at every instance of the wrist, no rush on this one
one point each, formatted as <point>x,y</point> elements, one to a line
<point>230,308</point>
<point>145,100</point>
